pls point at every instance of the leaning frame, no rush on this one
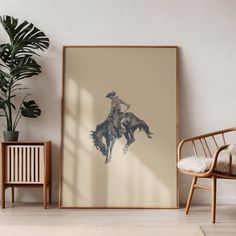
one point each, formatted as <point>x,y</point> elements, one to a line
<point>65,177</point>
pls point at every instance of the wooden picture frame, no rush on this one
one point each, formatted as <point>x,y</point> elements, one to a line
<point>109,93</point>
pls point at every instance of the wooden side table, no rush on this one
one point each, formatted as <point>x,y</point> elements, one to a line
<point>25,164</point>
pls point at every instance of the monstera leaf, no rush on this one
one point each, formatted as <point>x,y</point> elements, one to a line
<point>30,109</point>
<point>5,53</point>
<point>25,37</point>
<point>3,83</point>
<point>26,68</point>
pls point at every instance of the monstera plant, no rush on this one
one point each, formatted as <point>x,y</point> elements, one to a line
<point>16,64</point>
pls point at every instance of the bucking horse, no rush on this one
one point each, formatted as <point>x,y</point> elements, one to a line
<point>107,132</point>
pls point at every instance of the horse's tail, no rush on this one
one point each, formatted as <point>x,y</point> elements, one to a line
<point>143,126</point>
<point>97,138</point>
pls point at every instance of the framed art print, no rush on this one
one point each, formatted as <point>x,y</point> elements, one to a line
<point>119,127</point>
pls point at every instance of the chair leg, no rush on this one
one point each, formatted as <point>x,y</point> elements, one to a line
<point>190,195</point>
<point>213,199</point>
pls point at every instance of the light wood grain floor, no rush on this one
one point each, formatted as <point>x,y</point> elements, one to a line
<point>24,214</point>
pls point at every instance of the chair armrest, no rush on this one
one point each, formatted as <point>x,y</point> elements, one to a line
<point>215,158</point>
<point>180,147</point>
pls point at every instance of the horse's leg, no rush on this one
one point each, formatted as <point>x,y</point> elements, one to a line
<point>110,143</point>
<point>107,158</point>
<point>132,135</point>
<point>111,148</point>
<point>130,140</point>
<point>125,149</point>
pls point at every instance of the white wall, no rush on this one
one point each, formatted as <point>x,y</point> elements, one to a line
<point>204,30</point>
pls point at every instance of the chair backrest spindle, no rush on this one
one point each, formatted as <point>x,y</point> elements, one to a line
<point>203,147</point>
<point>207,147</point>
<point>223,137</point>
<point>194,148</point>
<point>215,141</point>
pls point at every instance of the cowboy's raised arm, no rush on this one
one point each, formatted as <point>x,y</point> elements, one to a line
<point>124,103</point>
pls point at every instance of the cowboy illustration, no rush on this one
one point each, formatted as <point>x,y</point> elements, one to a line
<point>118,123</point>
<point>116,114</point>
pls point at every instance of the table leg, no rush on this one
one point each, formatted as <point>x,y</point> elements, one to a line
<point>3,196</point>
<point>45,196</point>
<point>12,195</point>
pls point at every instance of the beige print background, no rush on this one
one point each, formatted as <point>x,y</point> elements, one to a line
<point>146,175</point>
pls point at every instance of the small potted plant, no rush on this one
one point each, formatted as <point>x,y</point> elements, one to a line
<point>16,64</point>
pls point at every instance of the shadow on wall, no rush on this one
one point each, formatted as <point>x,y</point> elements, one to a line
<point>94,176</point>
<point>77,147</point>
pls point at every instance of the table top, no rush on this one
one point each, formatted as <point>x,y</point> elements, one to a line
<point>24,142</point>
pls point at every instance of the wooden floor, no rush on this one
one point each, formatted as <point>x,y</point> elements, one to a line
<point>24,214</point>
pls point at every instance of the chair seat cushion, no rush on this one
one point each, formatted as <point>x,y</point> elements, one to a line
<point>203,164</point>
<point>195,164</point>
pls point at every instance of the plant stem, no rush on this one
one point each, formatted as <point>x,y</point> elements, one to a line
<point>6,115</point>
<point>18,115</point>
<point>9,122</point>
<point>16,122</point>
<point>11,82</point>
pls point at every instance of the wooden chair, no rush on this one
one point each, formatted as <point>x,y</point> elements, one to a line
<point>214,152</point>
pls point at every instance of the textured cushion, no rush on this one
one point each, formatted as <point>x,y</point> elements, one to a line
<point>203,164</point>
<point>223,164</point>
<point>231,149</point>
<point>195,164</point>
